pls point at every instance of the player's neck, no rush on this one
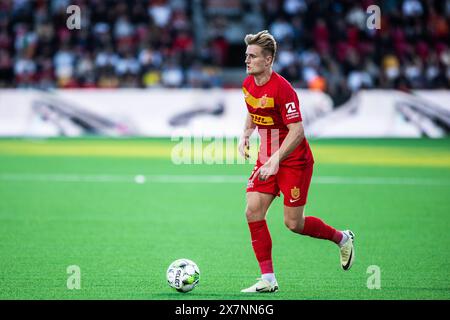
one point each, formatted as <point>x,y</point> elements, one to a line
<point>262,78</point>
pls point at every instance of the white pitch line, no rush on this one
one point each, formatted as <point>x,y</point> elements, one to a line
<point>380,180</point>
<point>110,178</point>
<point>64,177</point>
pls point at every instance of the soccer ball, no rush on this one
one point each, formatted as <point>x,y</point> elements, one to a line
<point>183,275</point>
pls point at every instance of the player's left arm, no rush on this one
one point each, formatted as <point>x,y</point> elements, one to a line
<point>292,118</point>
<point>290,113</point>
<point>294,137</point>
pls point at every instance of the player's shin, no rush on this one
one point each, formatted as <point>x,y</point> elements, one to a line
<point>316,228</point>
<point>262,245</point>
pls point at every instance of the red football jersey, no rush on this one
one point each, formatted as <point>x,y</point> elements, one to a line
<point>272,107</point>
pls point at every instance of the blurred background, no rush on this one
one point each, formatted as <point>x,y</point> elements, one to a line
<point>323,45</point>
<point>326,49</point>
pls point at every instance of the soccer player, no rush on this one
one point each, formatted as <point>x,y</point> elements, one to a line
<point>284,164</point>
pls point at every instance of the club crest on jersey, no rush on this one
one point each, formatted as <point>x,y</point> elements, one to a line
<point>256,103</point>
<point>263,101</point>
<point>295,193</point>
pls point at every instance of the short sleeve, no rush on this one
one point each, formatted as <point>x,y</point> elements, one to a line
<point>289,104</point>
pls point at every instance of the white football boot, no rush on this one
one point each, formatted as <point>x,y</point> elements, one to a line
<point>348,251</point>
<point>262,286</point>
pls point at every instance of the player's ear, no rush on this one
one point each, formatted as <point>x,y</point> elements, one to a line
<point>269,60</point>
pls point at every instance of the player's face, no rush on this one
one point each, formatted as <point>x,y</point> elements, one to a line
<point>255,60</point>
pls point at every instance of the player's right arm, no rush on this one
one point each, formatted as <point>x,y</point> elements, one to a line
<point>244,141</point>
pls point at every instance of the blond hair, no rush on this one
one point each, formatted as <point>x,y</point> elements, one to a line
<point>265,40</point>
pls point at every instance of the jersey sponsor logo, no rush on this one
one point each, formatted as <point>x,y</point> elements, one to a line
<point>292,116</point>
<point>291,111</point>
<point>290,108</point>
<point>263,102</point>
<point>261,120</point>
<point>295,193</point>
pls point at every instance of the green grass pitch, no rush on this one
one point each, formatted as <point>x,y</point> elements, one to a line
<point>70,202</point>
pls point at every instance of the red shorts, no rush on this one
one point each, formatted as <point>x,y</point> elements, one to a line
<point>293,182</point>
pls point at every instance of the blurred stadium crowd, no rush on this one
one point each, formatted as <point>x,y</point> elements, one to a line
<point>323,45</point>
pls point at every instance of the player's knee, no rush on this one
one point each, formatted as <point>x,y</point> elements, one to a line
<point>253,212</point>
<point>291,225</point>
<point>295,225</point>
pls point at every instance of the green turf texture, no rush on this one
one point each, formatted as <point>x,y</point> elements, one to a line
<point>123,235</point>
